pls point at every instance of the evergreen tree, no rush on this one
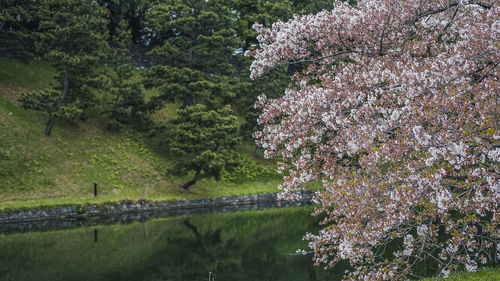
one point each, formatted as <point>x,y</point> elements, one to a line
<point>304,7</point>
<point>204,140</point>
<point>18,23</point>
<point>275,82</point>
<point>125,97</point>
<point>73,36</point>
<point>130,11</point>
<point>273,85</point>
<point>195,43</point>
<point>257,11</point>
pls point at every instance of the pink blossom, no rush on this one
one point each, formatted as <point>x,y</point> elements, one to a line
<point>397,113</point>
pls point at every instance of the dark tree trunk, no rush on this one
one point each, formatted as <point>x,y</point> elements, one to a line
<point>50,125</point>
<point>64,93</point>
<point>191,182</point>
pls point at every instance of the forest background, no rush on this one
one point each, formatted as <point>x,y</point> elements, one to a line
<point>141,97</point>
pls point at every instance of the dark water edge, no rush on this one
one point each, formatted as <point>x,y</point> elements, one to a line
<point>106,218</point>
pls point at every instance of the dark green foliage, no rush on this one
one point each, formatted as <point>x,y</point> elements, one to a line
<point>255,11</point>
<point>304,7</point>
<point>39,100</point>
<point>246,171</point>
<point>124,100</point>
<point>195,42</point>
<point>274,83</point>
<point>44,100</point>
<point>73,32</point>
<point>204,142</point>
<point>18,23</point>
<point>72,35</point>
<point>130,11</point>
<point>193,33</point>
<point>308,7</point>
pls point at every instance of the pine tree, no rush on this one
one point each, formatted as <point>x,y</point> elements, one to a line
<point>304,7</point>
<point>125,97</point>
<point>195,43</point>
<point>274,83</point>
<point>73,36</point>
<point>258,11</point>
<point>205,141</point>
<point>132,12</point>
<point>18,23</point>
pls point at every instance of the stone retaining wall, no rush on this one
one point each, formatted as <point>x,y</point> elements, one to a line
<point>126,211</point>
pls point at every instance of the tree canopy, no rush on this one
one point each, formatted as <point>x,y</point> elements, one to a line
<point>397,113</point>
<point>195,44</point>
<point>124,98</point>
<point>72,35</point>
<point>18,21</point>
<point>205,140</point>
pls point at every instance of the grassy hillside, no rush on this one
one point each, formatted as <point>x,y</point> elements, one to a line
<point>35,169</point>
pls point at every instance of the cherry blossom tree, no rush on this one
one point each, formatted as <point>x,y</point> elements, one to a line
<point>397,113</point>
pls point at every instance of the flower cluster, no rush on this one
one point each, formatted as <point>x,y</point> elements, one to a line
<point>396,111</point>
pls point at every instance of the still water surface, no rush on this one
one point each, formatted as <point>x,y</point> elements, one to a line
<point>252,245</point>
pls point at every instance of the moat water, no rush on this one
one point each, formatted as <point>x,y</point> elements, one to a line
<point>251,245</point>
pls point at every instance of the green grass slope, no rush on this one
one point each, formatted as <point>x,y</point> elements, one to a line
<point>61,169</point>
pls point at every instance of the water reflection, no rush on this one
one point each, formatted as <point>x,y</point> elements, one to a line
<point>250,245</point>
<point>256,245</point>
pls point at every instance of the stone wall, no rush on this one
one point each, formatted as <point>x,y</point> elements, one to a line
<point>129,211</point>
